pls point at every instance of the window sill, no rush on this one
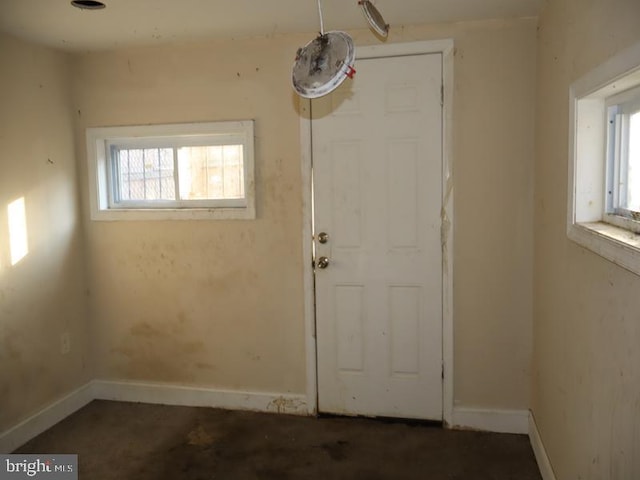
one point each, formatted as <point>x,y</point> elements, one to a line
<point>618,245</point>
<point>174,214</point>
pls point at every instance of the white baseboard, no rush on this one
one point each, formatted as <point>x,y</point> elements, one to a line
<point>167,394</point>
<point>539,451</point>
<point>45,419</point>
<point>503,421</point>
<point>499,421</point>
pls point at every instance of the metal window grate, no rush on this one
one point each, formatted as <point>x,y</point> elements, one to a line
<point>145,174</point>
<point>209,172</point>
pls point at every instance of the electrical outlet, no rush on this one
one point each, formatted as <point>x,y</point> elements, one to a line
<point>65,343</point>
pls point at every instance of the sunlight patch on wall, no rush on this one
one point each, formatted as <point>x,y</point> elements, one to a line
<point>18,239</point>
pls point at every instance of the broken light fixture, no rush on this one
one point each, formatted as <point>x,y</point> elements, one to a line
<point>323,63</point>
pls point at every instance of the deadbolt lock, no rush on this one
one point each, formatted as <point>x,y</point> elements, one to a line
<point>323,237</point>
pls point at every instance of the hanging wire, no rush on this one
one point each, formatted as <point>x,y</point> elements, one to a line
<point>321,20</point>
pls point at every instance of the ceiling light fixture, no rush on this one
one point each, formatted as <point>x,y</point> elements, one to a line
<point>374,18</point>
<point>88,4</point>
<point>325,62</point>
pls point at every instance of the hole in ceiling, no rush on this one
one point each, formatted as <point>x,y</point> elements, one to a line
<point>88,4</point>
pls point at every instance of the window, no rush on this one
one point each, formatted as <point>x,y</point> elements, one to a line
<point>604,162</point>
<point>623,160</point>
<point>183,171</point>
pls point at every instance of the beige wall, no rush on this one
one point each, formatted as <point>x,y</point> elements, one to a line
<point>43,295</point>
<point>493,131</point>
<point>215,303</point>
<point>207,303</point>
<point>586,315</point>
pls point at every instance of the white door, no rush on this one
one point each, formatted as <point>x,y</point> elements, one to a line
<point>377,160</point>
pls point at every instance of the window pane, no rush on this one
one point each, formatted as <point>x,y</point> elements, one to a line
<point>633,173</point>
<point>151,173</point>
<point>168,183</point>
<point>145,174</point>
<point>211,172</point>
<point>135,183</point>
<point>233,167</point>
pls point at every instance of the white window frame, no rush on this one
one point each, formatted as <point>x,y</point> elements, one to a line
<point>591,217</point>
<point>102,204</point>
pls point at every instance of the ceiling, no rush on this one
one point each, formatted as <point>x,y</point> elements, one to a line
<point>147,22</point>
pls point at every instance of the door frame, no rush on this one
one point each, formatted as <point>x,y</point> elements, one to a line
<point>446,48</point>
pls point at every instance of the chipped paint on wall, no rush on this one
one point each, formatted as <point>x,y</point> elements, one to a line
<point>287,405</point>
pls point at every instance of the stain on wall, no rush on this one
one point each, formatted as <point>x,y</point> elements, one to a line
<point>207,303</point>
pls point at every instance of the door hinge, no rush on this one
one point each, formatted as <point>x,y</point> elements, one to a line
<point>442,372</point>
<point>442,96</point>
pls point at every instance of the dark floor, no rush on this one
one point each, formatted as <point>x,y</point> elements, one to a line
<point>134,441</point>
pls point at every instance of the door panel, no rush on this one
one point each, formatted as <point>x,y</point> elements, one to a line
<point>377,160</point>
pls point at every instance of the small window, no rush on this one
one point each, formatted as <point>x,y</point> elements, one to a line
<point>623,159</point>
<point>604,160</point>
<point>184,171</point>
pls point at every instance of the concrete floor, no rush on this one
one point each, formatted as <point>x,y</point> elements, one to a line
<point>134,441</point>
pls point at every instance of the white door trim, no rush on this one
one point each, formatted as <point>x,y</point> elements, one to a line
<point>445,47</point>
